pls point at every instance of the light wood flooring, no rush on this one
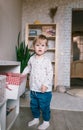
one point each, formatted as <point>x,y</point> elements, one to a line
<point>60,120</point>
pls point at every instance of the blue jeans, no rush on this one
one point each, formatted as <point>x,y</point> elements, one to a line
<point>40,102</point>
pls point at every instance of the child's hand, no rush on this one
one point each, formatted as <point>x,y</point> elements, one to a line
<point>43,88</point>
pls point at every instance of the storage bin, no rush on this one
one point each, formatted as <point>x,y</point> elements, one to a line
<point>16,85</point>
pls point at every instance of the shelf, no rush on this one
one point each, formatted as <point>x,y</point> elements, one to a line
<point>12,95</point>
<point>49,49</point>
<point>48,37</point>
<point>40,25</point>
<point>9,63</point>
<point>49,30</point>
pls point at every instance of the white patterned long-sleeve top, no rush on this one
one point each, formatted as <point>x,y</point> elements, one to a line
<point>41,73</point>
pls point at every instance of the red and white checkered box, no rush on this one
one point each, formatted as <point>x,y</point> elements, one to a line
<point>15,85</point>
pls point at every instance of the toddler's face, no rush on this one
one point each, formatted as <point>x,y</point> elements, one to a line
<point>40,47</point>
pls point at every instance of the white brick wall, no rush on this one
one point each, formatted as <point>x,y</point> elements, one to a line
<point>38,10</point>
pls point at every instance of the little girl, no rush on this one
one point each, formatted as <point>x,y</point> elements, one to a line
<point>41,77</point>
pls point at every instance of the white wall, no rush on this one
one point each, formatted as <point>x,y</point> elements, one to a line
<point>38,10</point>
<point>10,25</point>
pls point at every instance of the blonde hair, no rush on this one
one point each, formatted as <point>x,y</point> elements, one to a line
<point>40,37</point>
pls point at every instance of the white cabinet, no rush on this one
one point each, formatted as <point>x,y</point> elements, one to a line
<point>13,94</point>
<point>3,115</point>
<point>32,30</point>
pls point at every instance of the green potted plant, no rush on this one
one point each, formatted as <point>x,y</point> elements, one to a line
<point>22,53</point>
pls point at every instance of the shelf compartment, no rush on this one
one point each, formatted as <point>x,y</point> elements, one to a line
<point>11,117</point>
<point>15,85</point>
<point>15,91</point>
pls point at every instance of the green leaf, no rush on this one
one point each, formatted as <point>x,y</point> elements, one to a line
<point>22,53</point>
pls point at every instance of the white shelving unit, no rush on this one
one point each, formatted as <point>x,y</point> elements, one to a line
<point>32,30</point>
<point>12,97</point>
<point>3,115</point>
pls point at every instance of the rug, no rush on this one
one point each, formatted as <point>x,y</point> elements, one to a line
<point>60,101</point>
<point>76,92</point>
<point>64,101</point>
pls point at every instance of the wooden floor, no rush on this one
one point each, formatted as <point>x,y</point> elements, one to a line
<point>60,120</point>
